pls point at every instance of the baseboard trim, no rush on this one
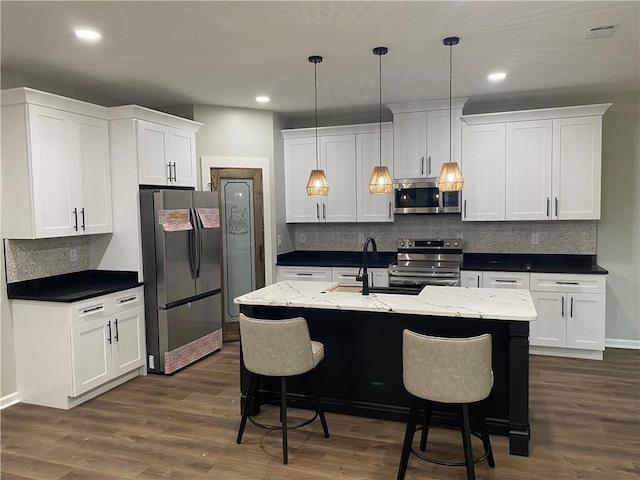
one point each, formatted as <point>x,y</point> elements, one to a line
<point>9,400</point>
<point>621,343</point>
<point>565,352</point>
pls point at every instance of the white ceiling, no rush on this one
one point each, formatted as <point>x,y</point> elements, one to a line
<point>225,53</point>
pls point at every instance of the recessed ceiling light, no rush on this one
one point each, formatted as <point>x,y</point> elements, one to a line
<point>86,34</point>
<point>497,76</point>
<point>263,99</point>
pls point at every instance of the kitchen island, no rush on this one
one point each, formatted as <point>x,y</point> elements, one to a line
<point>362,336</point>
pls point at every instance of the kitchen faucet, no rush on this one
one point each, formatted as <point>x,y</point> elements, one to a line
<point>365,276</point>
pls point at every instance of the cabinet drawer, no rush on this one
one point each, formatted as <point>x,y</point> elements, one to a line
<point>345,276</point>
<point>550,282</point>
<point>127,299</point>
<point>316,274</point>
<point>505,280</point>
<point>89,310</point>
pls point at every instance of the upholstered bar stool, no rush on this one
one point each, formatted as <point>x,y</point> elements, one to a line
<point>446,370</point>
<point>279,348</point>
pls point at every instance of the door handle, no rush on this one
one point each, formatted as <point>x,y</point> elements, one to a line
<point>429,164</point>
<point>558,282</point>
<point>75,221</point>
<point>324,211</point>
<point>556,206</point>
<point>83,223</point>
<point>500,280</point>
<point>116,323</point>
<point>478,281</point>
<point>109,326</point>
<point>390,209</point>
<point>562,308</point>
<point>318,211</point>
<point>175,172</point>
<point>465,208</point>
<point>571,308</point>
<point>169,167</point>
<point>548,204</point>
<point>421,165</point>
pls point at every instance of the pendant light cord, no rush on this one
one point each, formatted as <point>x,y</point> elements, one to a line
<point>450,110</point>
<point>380,109</point>
<point>315,88</point>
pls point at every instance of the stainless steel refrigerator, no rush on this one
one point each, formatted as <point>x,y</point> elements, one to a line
<point>182,282</point>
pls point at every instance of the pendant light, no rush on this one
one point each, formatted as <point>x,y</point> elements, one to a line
<point>380,181</point>
<point>450,178</point>
<point>317,184</point>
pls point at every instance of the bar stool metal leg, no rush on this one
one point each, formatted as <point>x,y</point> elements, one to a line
<point>466,441</point>
<point>425,427</point>
<point>314,380</point>
<point>486,442</point>
<point>408,436</point>
<point>283,415</point>
<point>248,404</point>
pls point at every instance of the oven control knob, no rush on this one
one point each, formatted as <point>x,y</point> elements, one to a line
<point>402,243</point>
<point>448,244</point>
<point>455,244</point>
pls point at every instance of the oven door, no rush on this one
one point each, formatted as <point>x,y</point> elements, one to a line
<point>416,197</point>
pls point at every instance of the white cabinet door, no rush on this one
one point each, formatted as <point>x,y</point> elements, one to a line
<point>585,321</point>
<point>483,168</point>
<point>409,145</point>
<point>438,127</point>
<point>52,169</point>
<point>528,170</point>
<point>470,278</point>
<point>93,175</point>
<point>299,160</point>
<point>128,341</point>
<point>379,277</point>
<point>505,280</point>
<point>182,156</point>
<point>373,207</point>
<point>346,276</point>
<point>153,154</point>
<point>338,158</point>
<point>550,329</point>
<point>577,156</point>
<point>91,355</point>
<point>314,274</point>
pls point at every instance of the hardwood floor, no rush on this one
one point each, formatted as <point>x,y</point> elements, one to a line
<point>585,423</point>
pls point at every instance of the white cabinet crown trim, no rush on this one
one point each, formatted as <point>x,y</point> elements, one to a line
<point>337,130</point>
<point>538,114</point>
<point>142,113</point>
<point>21,95</point>
<point>427,105</point>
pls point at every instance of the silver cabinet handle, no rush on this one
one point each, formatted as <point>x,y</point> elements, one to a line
<point>389,209</point>
<point>429,164</point>
<point>500,280</point>
<point>304,274</point>
<point>75,221</point>
<point>175,172</point>
<point>421,165</point>
<point>548,204</point>
<point>324,211</point>
<point>556,206</point>
<point>169,167</point>
<point>126,300</point>
<point>558,282</point>
<point>318,211</point>
<point>116,337</point>
<point>109,326</point>
<point>562,308</point>
<point>478,281</point>
<point>465,208</point>
<point>83,223</point>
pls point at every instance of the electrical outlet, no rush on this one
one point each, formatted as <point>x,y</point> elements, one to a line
<point>535,238</point>
<point>361,238</point>
<point>279,240</point>
<point>152,363</point>
<point>302,238</point>
<point>73,255</point>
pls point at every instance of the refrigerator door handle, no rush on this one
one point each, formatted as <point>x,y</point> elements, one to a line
<point>192,247</point>
<point>199,242</point>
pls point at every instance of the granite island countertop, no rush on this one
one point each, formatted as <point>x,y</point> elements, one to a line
<point>481,303</point>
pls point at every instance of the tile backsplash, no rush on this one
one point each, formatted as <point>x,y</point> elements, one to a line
<point>30,259</point>
<point>554,237</point>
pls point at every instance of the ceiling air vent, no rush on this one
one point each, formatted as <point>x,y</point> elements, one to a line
<point>604,31</point>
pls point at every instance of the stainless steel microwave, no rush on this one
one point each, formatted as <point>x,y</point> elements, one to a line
<point>421,195</point>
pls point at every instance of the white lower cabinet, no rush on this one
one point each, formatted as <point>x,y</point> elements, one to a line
<point>491,279</point>
<point>311,274</point>
<point>470,278</point>
<point>345,276</point>
<point>571,315</point>
<point>84,348</point>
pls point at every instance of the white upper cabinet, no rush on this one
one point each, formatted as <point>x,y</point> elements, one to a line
<point>373,207</point>
<point>347,154</point>
<point>483,169</point>
<point>55,167</point>
<point>421,137</point>
<point>166,155</point>
<point>552,164</point>
<point>577,150</point>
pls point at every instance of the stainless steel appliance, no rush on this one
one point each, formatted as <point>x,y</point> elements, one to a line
<point>421,195</point>
<point>422,262</point>
<point>182,282</point>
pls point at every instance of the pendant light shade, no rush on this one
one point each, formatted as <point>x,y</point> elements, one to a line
<point>381,181</point>
<point>317,184</point>
<point>450,178</point>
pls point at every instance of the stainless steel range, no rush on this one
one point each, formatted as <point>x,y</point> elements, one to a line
<point>422,262</point>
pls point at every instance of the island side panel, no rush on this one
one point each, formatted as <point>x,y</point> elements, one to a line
<point>362,370</point>
<point>519,432</point>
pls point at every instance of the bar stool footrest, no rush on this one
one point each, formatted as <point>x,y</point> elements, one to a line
<point>279,427</point>
<point>450,464</point>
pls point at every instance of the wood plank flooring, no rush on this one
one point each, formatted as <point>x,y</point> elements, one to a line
<point>585,423</point>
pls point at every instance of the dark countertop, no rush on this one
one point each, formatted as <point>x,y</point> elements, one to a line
<point>507,262</point>
<point>522,262</point>
<point>73,287</point>
<point>316,258</point>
